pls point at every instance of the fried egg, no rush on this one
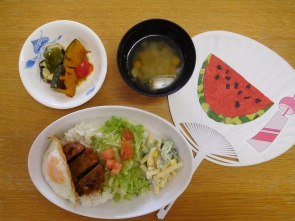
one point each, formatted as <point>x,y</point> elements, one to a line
<point>56,171</point>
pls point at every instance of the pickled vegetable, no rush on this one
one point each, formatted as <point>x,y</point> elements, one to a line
<point>53,59</point>
<point>53,56</point>
<point>45,74</point>
<point>64,70</point>
<point>59,70</point>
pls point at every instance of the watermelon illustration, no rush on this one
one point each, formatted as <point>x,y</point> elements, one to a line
<point>226,96</point>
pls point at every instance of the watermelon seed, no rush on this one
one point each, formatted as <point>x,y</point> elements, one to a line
<point>248,86</point>
<point>226,71</point>
<point>239,92</point>
<point>227,78</point>
<point>217,77</point>
<point>248,97</point>
<point>237,104</point>
<point>257,100</point>
<point>236,85</point>
<point>227,86</point>
<point>219,67</point>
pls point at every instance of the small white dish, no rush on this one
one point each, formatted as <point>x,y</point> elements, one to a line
<point>62,32</point>
<point>111,210</point>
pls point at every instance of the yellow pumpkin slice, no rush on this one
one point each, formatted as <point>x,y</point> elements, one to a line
<point>74,54</point>
<point>67,82</point>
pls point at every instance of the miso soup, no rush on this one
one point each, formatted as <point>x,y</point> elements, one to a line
<point>155,62</point>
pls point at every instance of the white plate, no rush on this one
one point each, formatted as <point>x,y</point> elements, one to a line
<point>62,32</point>
<point>112,210</point>
<point>263,68</point>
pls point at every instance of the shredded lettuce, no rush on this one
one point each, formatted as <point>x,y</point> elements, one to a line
<point>129,184</point>
<point>131,181</point>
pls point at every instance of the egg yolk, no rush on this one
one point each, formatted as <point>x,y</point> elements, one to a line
<point>54,171</point>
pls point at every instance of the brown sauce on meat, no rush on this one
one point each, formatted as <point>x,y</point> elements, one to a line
<point>73,150</point>
<point>87,173</point>
<point>91,181</point>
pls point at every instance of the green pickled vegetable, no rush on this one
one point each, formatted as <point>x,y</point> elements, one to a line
<point>56,73</point>
<point>45,74</point>
<point>53,56</point>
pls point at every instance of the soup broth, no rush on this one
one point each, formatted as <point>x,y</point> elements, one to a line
<point>155,62</point>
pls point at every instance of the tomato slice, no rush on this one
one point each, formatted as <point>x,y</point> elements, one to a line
<point>116,168</point>
<point>126,150</point>
<point>82,70</point>
<point>110,163</point>
<point>107,154</point>
<point>126,134</point>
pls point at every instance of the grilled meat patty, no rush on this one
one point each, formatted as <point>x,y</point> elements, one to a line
<point>87,173</point>
<point>91,181</point>
<point>73,150</point>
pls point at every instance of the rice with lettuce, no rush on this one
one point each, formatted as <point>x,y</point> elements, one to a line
<point>132,181</point>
